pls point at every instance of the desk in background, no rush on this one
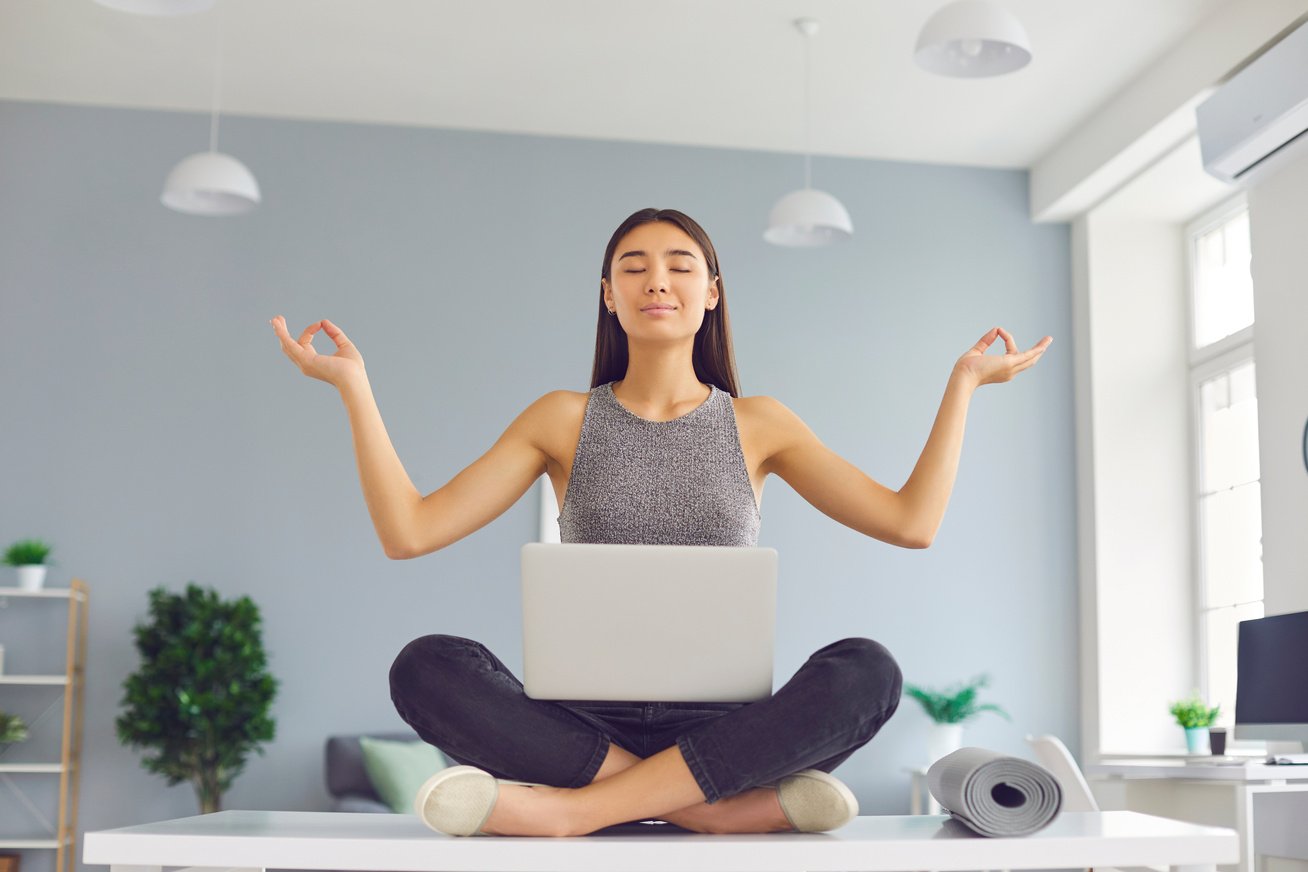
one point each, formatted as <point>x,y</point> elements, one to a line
<point>1267,805</point>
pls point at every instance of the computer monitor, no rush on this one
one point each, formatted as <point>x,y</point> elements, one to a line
<point>1271,679</point>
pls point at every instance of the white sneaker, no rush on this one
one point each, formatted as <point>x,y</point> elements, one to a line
<point>815,801</point>
<point>459,800</point>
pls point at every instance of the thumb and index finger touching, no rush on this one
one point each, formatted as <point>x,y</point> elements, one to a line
<point>306,338</point>
<point>1010,344</point>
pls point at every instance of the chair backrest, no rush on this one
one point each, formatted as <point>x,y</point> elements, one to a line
<point>1054,756</point>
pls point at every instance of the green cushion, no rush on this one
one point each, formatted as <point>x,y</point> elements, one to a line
<point>398,769</point>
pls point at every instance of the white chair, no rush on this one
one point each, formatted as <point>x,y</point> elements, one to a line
<point>1052,754</point>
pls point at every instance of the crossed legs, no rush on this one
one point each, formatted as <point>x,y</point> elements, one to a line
<point>627,788</point>
<point>461,698</point>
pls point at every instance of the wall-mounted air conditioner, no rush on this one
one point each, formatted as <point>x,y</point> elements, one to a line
<point>1258,119</point>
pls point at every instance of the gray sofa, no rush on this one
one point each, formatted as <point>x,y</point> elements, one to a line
<point>347,781</point>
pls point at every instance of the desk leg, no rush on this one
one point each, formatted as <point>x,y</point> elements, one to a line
<point>915,805</point>
<point>1244,827</point>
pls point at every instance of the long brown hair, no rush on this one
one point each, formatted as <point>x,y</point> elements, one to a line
<point>712,357</point>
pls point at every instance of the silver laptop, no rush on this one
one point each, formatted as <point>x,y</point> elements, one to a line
<point>648,623</point>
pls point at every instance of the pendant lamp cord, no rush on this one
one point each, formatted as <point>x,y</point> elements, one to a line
<point>808,152</point>
<point>217,81</point>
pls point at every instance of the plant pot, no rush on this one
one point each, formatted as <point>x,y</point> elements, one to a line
<point>1196,740</point>
<point>943,739</point>
<point>32,576</point>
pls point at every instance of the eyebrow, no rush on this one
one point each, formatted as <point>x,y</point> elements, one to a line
<point>669,252</point>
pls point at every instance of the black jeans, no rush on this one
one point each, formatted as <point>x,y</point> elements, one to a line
<point>458,696</point>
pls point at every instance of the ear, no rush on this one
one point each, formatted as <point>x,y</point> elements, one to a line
<point>713,293</point>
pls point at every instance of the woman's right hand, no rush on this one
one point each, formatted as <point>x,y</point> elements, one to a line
<point>335,369</point>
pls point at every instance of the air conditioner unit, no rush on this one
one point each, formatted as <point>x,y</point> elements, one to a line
<point>1257,120</point>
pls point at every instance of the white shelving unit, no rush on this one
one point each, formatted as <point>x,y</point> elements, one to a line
<point>68,768</point>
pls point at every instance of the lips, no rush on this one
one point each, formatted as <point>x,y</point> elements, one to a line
<point>651,308</point>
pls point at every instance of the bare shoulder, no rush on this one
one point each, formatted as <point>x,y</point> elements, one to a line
<point>768,427</point>
<point>554,422</point>
<point>552,407</point>
<point>765,412</point>
<point>564,405</point>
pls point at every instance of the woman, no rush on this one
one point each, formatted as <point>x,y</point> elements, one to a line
<point>662,449</point>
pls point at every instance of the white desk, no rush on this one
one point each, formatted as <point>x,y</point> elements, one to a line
<point>251,840</point>
<point>1268,805</point>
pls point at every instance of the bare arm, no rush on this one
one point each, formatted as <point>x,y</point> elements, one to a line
<point>411,525</point>
<point>831,484</point>
<point>407,523</point>
<point>926,493</point>
<point>390,494</point>
<point>910,516</point>
<point>488,486</point>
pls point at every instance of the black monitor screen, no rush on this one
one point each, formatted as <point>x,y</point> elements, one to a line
<point>1272,670</point>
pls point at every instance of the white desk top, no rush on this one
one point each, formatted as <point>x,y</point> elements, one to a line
<point>1174,767</point>
<point>335,840</point>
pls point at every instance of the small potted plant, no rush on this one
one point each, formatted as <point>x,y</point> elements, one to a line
<point>949,710</point>
<point>12,729</point>
<point>29,557</point>
<point>1195,715</point>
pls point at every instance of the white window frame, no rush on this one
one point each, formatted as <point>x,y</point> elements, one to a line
<point>1213,359</point>
<point>1207,221</point>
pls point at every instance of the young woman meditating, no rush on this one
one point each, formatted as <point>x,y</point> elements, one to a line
<point>661,450</point>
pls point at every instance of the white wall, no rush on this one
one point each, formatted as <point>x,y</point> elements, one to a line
<point>1140,479</point>
<point>1278,225</point>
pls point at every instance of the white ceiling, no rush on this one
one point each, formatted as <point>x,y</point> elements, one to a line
<point>724,73</point>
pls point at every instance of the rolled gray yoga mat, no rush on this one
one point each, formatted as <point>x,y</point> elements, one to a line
<point>994,794</point>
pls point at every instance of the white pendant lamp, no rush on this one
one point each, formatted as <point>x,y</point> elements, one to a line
<point>972,39</point>
<point>209,182</point>
<point>158,7</point>
<point>807,217</point>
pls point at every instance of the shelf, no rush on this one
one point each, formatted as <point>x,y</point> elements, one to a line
<point>29,844</point>
<point>43,593</point>
<point>71,687</point>
<point>31,767</point>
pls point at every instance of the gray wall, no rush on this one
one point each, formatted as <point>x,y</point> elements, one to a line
<point>154,431</point>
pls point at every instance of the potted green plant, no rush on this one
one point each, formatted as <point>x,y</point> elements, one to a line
<point>12,729</point>
<point>201,697</point>
<point>1195,715</point>
<point>28,556</point>
<point>949,710</point>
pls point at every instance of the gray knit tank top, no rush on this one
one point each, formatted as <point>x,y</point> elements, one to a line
<point>641,482</point>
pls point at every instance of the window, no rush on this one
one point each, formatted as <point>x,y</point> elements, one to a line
<point>1223,286</point>
<point>1228,513</point>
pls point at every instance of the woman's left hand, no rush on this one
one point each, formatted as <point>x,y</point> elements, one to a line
<point>982,368</point>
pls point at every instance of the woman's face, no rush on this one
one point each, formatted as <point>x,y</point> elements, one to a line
<point>660,284</point>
